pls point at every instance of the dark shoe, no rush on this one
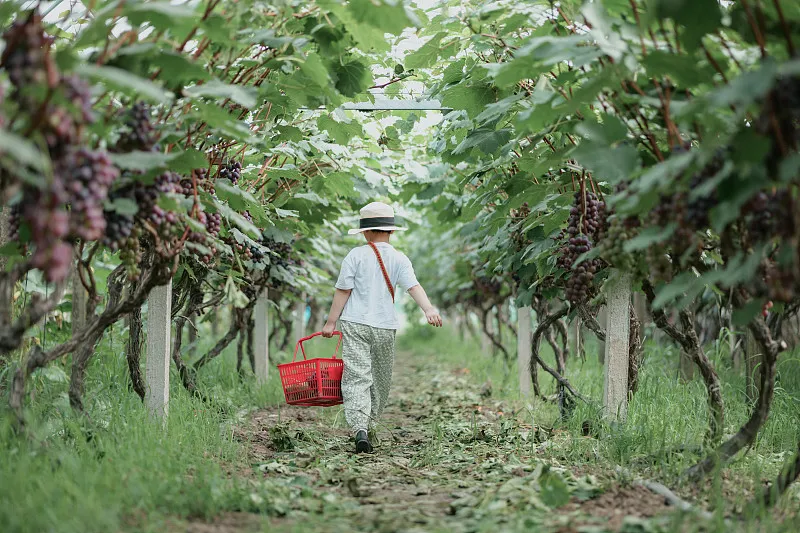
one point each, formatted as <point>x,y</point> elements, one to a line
<point>362,443</point>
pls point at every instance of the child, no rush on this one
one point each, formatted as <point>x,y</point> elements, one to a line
<point>365,300</point>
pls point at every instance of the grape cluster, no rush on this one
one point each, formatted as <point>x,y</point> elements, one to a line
<point>139,133</point>
<point>130,253</point>
<point>586,223</point>
<point>242,249</point>
<point>232,171</point>
<point>88,177</point>
<point>257,254</point>
<point>45,214</point>
<point>124,231</point>
<point>213,223</point>
<point>587,216</point>
<point>118,228</point>
<point>120,225</point>
<point>68,204</point>
<point>200,176</point>
<point>579,283</point>
<point>613,242</point>
<point>279,255</point>
<point>26,56</point>
<point>280,251</point>
<point>204,180</point>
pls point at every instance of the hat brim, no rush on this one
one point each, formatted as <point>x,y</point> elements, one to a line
<point>381,228</point>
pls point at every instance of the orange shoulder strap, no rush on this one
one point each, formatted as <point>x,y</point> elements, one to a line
<point>383,269</point>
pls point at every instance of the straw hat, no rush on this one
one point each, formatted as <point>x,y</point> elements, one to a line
<point>377,215</point>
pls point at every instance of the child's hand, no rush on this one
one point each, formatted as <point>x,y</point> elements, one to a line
<point>433,318</point>
<point>328,329</point>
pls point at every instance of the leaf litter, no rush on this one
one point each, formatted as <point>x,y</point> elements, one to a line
<point>448,458</point>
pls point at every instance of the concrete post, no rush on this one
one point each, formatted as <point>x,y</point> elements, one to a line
<point>159,325</point>
<point>261,337</point>
<point>615,389</point>
<point>524,349</point>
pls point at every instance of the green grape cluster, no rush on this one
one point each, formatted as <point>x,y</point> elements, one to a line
<point>612,245</point>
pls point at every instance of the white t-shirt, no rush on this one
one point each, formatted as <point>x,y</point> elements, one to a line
<point>370,303</point>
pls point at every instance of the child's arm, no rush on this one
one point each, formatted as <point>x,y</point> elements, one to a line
<point>418,293</point>
<point>339,299</point>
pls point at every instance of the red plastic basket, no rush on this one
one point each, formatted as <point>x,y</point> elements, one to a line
<point>316,382</point>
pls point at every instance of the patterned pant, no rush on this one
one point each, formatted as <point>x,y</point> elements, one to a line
<point>368,355</point>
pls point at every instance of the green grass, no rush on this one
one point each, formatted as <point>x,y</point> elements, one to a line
<point>121,471</point>
<point>663,415</point>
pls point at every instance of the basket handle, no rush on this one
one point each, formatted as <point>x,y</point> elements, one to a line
<point>317,334</point>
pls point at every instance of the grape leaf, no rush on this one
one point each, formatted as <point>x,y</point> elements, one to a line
<point>188,160</point>
<point>608,130</point>
<point>245,225</point>
<point>162,15</point>
<point>683,69</point>
<point>315,70</point>
<point>123,206</point>
<point>699,17</point>
<point>488,140</point>
<point>237,198</point>
<point>177,68</point>
<point>339,184</point>
<point>222,121</point>
<point>138,160</point>
<point>244,96</point>
<point>352,78</point>
<point>22,150</point>
<point>289,133</point>
<point>389,16</point>
<point>471,98</point>
<point>126,82</point>
<point>454,71</point>
<point>339,132</point>
<point>608,163</point>
<point>427,54</point>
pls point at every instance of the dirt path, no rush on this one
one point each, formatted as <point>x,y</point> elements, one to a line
<point>450,458</point>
